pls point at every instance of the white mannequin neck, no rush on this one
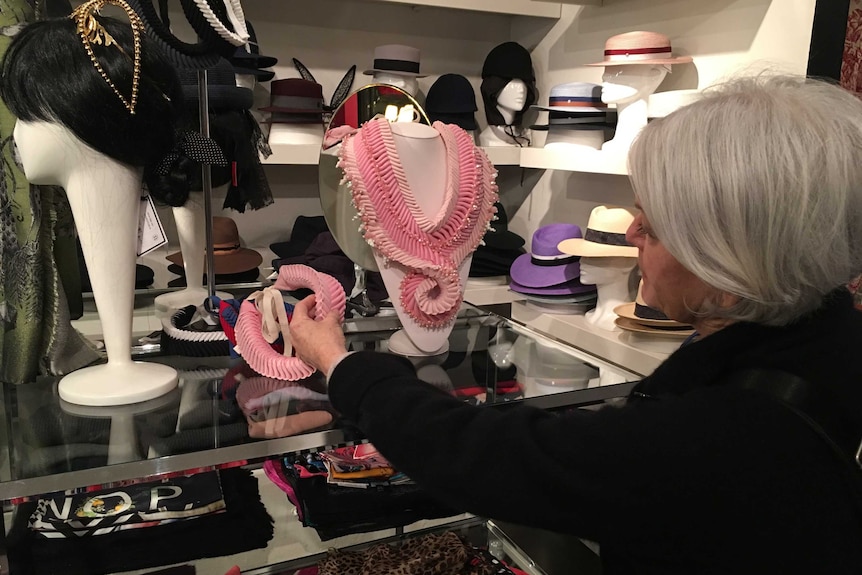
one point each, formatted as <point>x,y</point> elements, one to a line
<point>104,195</point>
<point>409,84</point>
<point>190,220</point>
<point>508,115</point>
<point>611,278</point>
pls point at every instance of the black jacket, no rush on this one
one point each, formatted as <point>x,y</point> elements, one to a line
<point>706,478</point>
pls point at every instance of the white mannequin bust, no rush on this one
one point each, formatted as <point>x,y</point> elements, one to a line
<point>610,275</point>
<point>409,84</point>
<point>629,87</point>
<point>190,220</point>
<point>419,147</point>
<point>510,101</point>
<point>104,195</point>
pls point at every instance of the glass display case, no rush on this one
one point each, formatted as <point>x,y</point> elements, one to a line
<point>52,446</point>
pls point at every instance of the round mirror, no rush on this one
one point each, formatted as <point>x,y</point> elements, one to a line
<point>335,199</point>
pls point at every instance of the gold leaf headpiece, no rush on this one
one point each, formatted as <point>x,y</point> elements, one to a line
<point>92,32</point>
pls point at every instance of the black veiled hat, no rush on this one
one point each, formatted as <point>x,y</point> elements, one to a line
<point>452,100</point>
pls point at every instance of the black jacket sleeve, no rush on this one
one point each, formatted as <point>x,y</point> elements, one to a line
<point>680,472</point>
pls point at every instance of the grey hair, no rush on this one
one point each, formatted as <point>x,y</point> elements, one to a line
<point>757,190</point>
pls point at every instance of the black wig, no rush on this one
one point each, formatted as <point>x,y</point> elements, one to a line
<point>46,75</point>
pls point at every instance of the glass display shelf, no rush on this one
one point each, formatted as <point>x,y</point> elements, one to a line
<point>52,446</point>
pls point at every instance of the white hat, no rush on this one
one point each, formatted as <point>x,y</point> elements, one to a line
<point>605,235</point>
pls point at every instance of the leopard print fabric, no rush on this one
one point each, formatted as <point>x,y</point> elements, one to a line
<point>432,554</point>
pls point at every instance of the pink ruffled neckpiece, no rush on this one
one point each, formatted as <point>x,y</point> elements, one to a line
<point>393,223</point>
<point>262,319</point>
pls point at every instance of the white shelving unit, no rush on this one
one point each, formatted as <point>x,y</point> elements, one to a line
<point>503,155</point>
<point>601,163</point>
<point>480,292</point>
<point>598,163</point>
<point>308,155</point>
<point>515,7</point>
<point>299,155</point>
<point>635,352</point>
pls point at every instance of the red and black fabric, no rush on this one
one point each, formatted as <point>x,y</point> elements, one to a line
<point>334,511</point>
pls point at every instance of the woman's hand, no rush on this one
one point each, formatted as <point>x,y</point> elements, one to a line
<point>320,344</point>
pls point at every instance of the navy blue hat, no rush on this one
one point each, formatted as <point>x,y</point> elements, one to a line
<point>451,100</point>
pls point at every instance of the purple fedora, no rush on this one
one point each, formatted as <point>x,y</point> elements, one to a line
<point>546,265</point>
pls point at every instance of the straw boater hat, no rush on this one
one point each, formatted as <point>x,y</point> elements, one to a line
<point>639,48</point>
<point>605,235</point>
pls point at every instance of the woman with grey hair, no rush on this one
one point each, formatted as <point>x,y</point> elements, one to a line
<point>751,225</point>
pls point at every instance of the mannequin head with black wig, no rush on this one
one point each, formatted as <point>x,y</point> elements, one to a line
<point>47,76</point>
<point>508,68</point>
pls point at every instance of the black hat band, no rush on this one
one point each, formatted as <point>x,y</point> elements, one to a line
<point>396,65</point>
<point>607,238</point>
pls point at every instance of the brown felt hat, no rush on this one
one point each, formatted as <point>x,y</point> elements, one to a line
<point>228,256</point>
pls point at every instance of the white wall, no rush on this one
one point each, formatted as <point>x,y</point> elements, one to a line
<point>724,37</point>
<point>328,36</point>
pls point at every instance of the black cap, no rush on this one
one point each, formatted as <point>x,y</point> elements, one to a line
<point>509,60</point>
<point>452,100</point>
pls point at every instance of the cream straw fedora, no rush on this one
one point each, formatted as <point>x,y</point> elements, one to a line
<point>605,235</point>
<point>639,48</point>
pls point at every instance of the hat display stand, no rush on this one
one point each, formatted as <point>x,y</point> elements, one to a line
<point>611,278</point>
<point>191,230</point>
<point>607,261</point>
<point>123,442</point>
<point>635,64</point>
<point>397,65</point>
<point>510,103</point>
<point>104,225</point>
<point>629,87</point>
